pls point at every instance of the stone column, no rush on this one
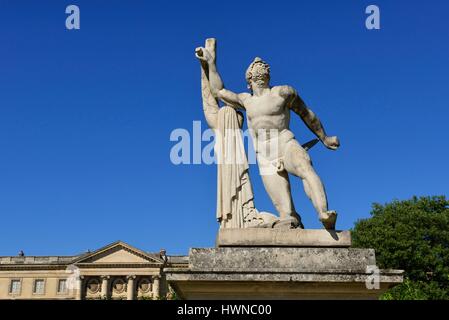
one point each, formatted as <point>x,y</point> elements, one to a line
<point>156,286</point>
<point>104,287</point>
<point>79,288</point>
<point>130,288</point>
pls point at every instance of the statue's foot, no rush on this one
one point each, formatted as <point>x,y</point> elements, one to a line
<point>289,223</point>
<point>329,218</point>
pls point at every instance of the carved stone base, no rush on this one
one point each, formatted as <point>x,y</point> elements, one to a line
<point>260,237</point>
<point>281,273</point>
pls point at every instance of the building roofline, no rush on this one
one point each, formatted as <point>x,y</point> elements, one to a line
<point>73,259</point>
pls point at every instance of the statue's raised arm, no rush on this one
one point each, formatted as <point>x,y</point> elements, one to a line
<point>216,84</point>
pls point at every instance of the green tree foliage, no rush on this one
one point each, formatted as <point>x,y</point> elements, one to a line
<point>411,235</point>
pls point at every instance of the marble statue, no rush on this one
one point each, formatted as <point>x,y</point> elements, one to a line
<point>268,110</point>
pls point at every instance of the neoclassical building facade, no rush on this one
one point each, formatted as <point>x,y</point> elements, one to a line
<point>116,271</point>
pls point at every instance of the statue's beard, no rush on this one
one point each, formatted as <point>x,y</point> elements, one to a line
<point>261,80</point>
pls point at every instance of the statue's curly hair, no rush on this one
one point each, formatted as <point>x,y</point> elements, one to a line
<point>257,70</point>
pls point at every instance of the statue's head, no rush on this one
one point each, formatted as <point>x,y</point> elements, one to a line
<point>258,74</point>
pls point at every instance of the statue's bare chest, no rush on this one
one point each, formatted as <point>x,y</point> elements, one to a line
<point>266,105</point>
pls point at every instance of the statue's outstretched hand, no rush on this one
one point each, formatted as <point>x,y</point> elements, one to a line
<point>331,142</point>
<point>203,55</point>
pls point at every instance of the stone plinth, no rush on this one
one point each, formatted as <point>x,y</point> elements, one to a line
<point>261,237</point>
<point>280,273</point>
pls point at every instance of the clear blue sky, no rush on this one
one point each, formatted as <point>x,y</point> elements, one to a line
<point>85,116</point>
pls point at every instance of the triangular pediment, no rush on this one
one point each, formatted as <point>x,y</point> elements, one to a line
<point>118,253</point>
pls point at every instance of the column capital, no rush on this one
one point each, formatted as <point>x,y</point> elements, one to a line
<point>131,277</point>
<point>80,277</point>
<point>105,277</point>
<point>156,277</point>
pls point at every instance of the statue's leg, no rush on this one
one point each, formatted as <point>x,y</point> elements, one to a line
<point>298,163</point>
<point>277,185</point>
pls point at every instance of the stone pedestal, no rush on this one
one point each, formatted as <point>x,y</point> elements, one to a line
<point>330,270</point>
<point>259,237</point>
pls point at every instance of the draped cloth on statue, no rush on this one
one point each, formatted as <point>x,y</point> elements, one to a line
<point>235,198</point>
